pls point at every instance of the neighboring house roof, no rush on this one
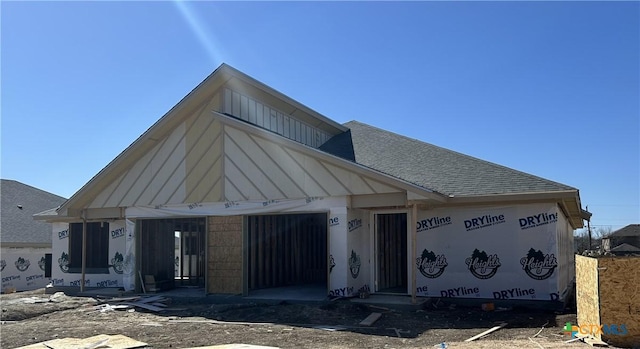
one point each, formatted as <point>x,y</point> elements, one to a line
<point>629,230</point>
<point>439,169</point>
<point>19,203</point>
<point>625,248</point>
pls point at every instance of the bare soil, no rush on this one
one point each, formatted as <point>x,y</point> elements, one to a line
<point>32,317</point>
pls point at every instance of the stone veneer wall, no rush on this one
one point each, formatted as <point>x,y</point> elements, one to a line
<point>224,255</point>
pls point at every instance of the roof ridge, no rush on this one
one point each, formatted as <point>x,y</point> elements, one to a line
<point>32,187</point>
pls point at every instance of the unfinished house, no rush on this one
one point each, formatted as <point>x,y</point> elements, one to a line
<point>25,244</point>
<point>239,188</point>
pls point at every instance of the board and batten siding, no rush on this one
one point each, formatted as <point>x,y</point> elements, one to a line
<point>257,168</point>
<point>258,113</point>
<point>184,166</point>
<point>208,159</point>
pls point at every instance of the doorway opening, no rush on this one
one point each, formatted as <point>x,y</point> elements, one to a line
<point>391,253</point>
<point>173,251</point>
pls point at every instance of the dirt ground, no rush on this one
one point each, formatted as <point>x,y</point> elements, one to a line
<point>32,317</point>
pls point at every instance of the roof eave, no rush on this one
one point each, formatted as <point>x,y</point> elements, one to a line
<point>25,244</point>
<point>569,201</point>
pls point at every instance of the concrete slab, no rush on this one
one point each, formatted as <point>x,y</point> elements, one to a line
<point>301,293</point>
<point>397,302</point>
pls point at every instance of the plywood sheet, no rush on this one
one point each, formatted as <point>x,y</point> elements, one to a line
<point>619,286</point>
<point>587,291</point>
<point>102,341</point>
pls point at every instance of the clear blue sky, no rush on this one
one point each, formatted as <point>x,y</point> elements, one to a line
<point>548,88</point>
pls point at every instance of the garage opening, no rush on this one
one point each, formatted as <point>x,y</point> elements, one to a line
<point>287,250</point>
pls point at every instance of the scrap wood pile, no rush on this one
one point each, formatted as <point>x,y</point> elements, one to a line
<point>152,303</point>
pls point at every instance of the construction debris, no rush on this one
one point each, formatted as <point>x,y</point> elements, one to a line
<point>235,346</point>
<point>591,340</point>
<point>152,303</point>
<point>369,320</point>
<point>480,335</point>
<point>102,341</point>
<point>399,331</point>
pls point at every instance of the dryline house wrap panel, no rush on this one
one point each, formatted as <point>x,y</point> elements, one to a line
<point>338,255</point>
<point>358,251</point>
<point>129,264</point>
<point>23,269</point>
<point>489,252</point>
<point>115,250</point>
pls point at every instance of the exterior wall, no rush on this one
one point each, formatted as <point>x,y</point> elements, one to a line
<point>60,275</point>
<point>338,254</point>
<point>257,168</point>
<point>263,115</point>
<point>565,256</point>
<point>224,272</point>
<point>182,167</point>
<point>358,249</point>
<point>22,269</point>
<point>160,172</point>
<point>488,252</point>
<point>204,159</point>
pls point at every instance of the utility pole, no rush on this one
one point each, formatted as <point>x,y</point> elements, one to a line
<point>589,229</point>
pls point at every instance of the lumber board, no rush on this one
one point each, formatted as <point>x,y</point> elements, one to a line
<point>150,299</point>
<point>369,320</point>
<point>591,340</point>
<point>479,335</point>
<point>118,299</point>
<point>144,306</point>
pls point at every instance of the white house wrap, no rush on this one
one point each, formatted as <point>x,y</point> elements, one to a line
<point>506,252</point>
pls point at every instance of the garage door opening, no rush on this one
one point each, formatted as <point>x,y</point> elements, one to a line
<point>287,251</point>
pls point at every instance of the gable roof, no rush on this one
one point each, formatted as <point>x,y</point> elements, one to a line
<point>447,176</point>
<point>19,203</point>
<point>441,170</point>
<point>629,230</point>
<point>188,104</point>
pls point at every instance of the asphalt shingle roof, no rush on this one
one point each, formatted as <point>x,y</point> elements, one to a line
<point>629,230</point>
<point>439,169</point>
<point>17,224</point>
